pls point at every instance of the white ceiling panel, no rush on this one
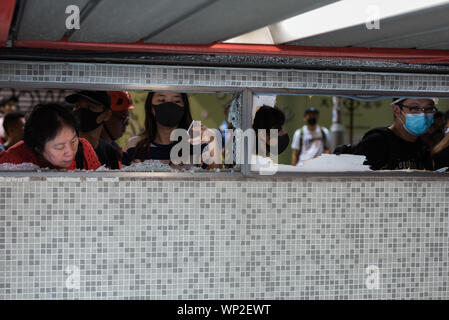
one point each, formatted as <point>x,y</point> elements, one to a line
<point>424,29</point>
<point>225,19</point>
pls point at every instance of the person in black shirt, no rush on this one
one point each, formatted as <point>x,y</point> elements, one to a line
<point>435,133</point>
<point>400,146</point>
<point>115,127</point>
<point>92,109</point>
<point>165,112</point>
<point>440,151</point>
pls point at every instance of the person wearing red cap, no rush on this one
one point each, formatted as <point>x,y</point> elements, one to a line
<point>115,127</point>
<point>92,109</point>
<point>51,141</point>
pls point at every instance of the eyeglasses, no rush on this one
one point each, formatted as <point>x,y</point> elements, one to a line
<point>416,109</point>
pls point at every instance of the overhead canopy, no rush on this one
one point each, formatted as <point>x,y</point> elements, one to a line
<point>156,21</point>
<point>289,28</point>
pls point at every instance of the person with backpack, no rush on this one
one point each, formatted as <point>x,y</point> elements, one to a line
<point>311,140</point>
<point>399,146</point>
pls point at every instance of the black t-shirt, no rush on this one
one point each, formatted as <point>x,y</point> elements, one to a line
<point>442,159</point>
<point>107,155</point>
<point>157,152</point>
<point>386,151</point>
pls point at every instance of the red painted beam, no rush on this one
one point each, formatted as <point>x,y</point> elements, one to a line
<point>397,55</point>
<point>6,14</point>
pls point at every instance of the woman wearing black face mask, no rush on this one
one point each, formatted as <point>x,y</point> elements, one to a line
<point>164,112</point>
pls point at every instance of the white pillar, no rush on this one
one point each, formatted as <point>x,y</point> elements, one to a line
<point>337,129</point>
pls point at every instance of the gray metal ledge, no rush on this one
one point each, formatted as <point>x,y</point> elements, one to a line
<point>224,176</point>
<point>144,77</point>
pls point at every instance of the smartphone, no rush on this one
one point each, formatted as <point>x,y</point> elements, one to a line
<point>195,132</point>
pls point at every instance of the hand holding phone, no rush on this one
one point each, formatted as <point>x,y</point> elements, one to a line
<point>195,130</point>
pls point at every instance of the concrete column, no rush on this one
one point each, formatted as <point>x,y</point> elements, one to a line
<point>337,129</point>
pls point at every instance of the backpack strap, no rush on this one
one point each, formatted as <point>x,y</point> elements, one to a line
<point>79,157</point>
<point>300,143</point>
<point>323,137</point>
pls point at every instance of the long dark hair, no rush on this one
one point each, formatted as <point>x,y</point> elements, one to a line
<point>149,134</point>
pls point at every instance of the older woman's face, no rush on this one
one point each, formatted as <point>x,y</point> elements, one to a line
<point>61,150</point>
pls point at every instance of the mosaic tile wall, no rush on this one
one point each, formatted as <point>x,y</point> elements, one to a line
<point>63,238</point>
<point>145,76</point>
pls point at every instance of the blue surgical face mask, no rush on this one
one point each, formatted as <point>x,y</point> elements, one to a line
<point>417,124</point>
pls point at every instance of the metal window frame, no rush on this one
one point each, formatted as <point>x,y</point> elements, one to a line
<point>62,75</point>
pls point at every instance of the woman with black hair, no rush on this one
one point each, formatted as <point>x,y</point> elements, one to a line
<point>164,112</point>
<point>267,142</point>
<point>268,118</point>
<point>51,141</point>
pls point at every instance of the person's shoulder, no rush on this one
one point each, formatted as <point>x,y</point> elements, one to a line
<point>86,144</point>
<point>323,130</point>
<point>300,131</point>
<point>20,147</point>
<point>377,140</point>
<point>84,141</point>
<point>379,133</point>
<point>87,147</point>
<point>297,131</point>
<point>132,142</point>
<point>105,145</point>
<point>111,150</point>
<point>17,154</point>
<point>326,130</point>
